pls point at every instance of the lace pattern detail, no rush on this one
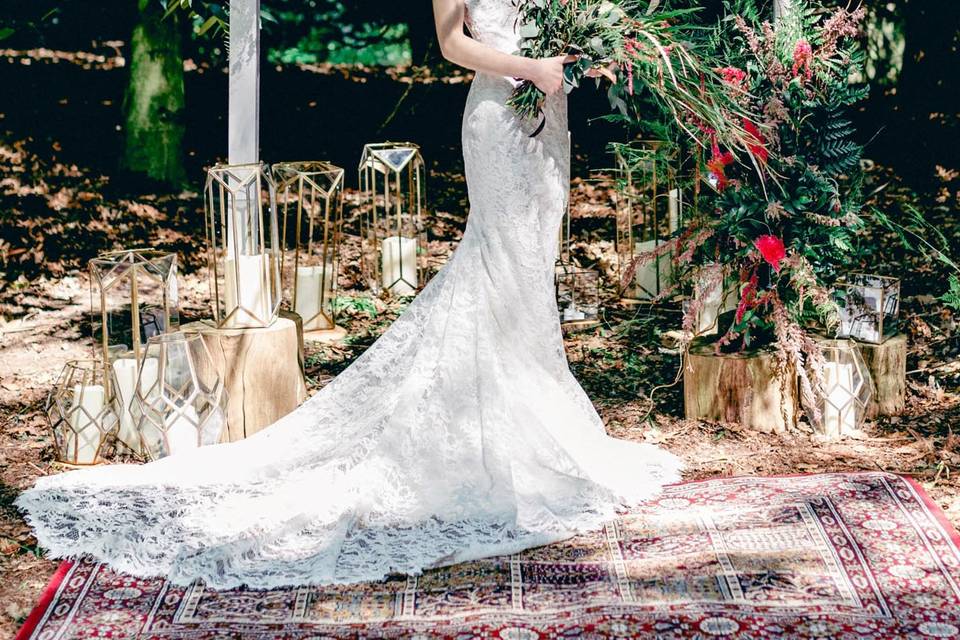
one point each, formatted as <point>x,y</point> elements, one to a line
<point>461,433</point>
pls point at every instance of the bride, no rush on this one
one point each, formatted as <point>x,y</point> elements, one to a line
<point>459,434</point>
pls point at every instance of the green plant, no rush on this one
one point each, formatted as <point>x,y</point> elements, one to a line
<point>781,234</point>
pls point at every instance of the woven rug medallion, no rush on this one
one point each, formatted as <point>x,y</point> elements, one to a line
<point>826,556</point>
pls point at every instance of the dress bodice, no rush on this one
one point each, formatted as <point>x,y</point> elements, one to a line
<point>494,23</point>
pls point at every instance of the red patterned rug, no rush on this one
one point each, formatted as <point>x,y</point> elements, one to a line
<point>827,556</point>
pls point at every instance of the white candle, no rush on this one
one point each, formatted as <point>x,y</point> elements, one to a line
<point>710,292</point>
<point>840,409</point>
<point>646,275</point>
<point>253,293</point>
<point>125,372</point>
<point>399,258</point>
<point>675,207</point>
<point>88,402</point>
<point>313,285</point>
<point>182,432</point>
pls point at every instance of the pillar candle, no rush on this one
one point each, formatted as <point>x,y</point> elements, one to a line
<point>88,402</point>
<point>254,293</point>
<point>399,257</point>
<point>675,208</point>
<point>646,275</point>
<point>313,285</point>
<point>182,431</point>
<point>125,372</point>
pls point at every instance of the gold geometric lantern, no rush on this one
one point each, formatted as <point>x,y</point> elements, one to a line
<point>649,210</point>
<point>392,197</point>
<point>310,196</point>
<point>81,413</point>
<point>180,402</point>
<point>243,245</point>
<point>870,307</point>
<point>847,389</point>
<point>578,296</point>
<point>134,296</point>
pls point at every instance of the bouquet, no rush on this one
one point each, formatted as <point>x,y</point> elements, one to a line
<point>652,53</point>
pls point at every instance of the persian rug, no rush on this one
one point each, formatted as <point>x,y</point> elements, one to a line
<point>826,556</point>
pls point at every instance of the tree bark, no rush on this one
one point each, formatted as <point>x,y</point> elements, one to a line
<point>154,101</point>
<point>743,388</point>
<point>262,372</point>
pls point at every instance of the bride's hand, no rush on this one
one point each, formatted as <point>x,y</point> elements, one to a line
<point>548,73</point>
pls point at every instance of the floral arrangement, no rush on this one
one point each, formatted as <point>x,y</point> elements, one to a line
<point>652,53</point>
<point>780,234</point>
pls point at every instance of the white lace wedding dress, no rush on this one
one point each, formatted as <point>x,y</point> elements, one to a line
<point>459,434</point>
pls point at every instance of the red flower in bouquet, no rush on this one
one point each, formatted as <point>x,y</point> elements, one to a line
<point>802,57</point>
<point>733,76</point>
<point>758,146</point>
<point>772,250</point>
<point>717,166</point>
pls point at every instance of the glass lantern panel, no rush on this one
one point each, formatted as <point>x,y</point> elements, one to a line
<point>311,202</point>
<point>649,211</point>
<point>134,296</point>
<point>870,307</point>
<point>847,388</point>
<point>81,414</point>
<point>578,295</point>
<point>244,244</point>
<point>180,402</point>
<point>392,196</point>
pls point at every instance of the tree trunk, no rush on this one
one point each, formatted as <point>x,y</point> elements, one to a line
<point>154,101</point>
<point>262,372</point>
<point>742,388</point>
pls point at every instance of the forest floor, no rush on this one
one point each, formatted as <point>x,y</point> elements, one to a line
<point>55,215</point>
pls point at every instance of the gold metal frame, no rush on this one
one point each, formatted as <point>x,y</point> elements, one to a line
<point>643,213</point>
<point>162,402</point>
<point>310,195</point>
<point>243,245</point>
<point>872,325</point>
<point>75,407</point>
<point>110,270</point>
<point>848,388</point>
<point>395,204</point>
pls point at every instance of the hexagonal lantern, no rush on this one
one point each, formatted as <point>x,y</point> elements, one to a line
<point>847,389</point>
<point>578,296</point>
<point>392,197</point>
<point>310,196</point>
<point>243,245</point>
<point>649,210</point>
<point>180,401</point>
<point>869,307</point>
<point>81,413</point>
<point>134,296</point>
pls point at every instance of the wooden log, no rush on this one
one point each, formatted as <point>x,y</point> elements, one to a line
<point>262,370</point>
<point>887,363</point>
<point>744,388</point>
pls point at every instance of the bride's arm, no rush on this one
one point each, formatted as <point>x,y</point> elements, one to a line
<point>463,50</point>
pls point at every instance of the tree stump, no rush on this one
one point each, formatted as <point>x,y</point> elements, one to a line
<point>738,387</point>
<point>887,363</point>
<point>262,371</point>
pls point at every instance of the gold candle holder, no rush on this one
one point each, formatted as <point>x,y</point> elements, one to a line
<point>392,198</point>
<point>310,196</point>
<point>81,413</point>
<point>243,245</point>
